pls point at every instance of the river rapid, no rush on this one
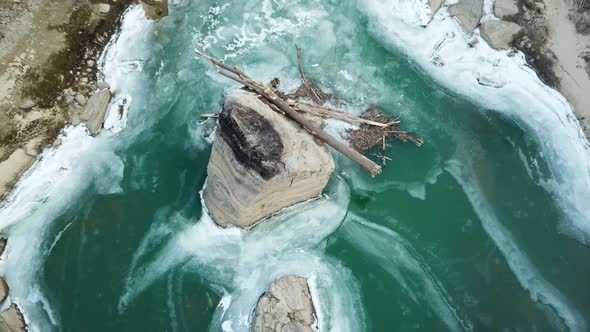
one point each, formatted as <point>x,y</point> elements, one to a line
<point>485,227</point>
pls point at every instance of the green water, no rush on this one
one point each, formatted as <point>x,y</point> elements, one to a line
<point>455,234</point>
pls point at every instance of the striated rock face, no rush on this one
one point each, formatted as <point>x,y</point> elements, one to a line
<point>12,320</point>
<point>286,307</point>
<point>155,9</point>
<point>468,12</point>
<point>95,111</point>
<point>504,8</point>
<point>499,34</point>
<point>261,162</point>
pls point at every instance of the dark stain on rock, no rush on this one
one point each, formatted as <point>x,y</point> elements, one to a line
<point>254,142</point>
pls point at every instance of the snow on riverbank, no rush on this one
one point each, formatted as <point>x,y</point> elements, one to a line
<point>512,88</point>
<point>60,176</point>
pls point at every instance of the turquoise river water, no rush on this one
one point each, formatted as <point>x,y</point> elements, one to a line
<point>483,228</point>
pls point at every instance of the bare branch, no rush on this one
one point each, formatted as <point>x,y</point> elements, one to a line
<point>307,83</point>
<point>284,106</point>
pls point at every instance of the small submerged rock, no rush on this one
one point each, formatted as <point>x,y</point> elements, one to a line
<point>261,162</point>
<point>286,307</point>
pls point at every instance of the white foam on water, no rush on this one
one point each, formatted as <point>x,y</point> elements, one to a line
<point>527,275</point>
<point>170,303</point>
<point>245,263</point>
<point>122,63</point>
<point>513,89</point>
<point>396,257</point>
<point>259,27</point>
<point>46,191</point>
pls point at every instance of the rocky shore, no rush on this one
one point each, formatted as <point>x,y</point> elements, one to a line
<point>287,306</point>
<point>261,162</point>
<point>49,79</point>
<point>554,35</point>
<point>49,76</point>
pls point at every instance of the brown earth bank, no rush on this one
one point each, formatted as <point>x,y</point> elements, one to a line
<point>554,35</point>
<point>48,80</point>
<point>556,41</point>
<point>48,71</point>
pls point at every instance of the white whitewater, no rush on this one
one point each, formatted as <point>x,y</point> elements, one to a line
<point>245,263</point>
<point>60,177</point>
<point>541,111</point>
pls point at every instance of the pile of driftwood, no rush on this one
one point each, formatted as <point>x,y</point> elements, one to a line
<point>374,126</point>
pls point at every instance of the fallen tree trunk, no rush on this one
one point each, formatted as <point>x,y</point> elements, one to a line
<point>284,107</point>
<point>333,114</point>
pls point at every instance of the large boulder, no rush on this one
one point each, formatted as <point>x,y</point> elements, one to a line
<point>286,307</point>
<point>155,9</point>
<point>468,12</point>
<point>12,320</point>
<point>504,8</point>
<point>261,162</point>
<point>499,34</point>
<point>95,111</point>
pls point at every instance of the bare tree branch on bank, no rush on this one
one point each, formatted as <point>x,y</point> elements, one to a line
<point>237,75</point>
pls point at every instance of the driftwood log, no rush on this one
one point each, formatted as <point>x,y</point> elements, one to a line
<point>267,93</point>
<point>325,112</point>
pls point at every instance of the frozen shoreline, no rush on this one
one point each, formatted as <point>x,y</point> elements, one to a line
<point>58,176</point>
<point>496,66</point>
<point>512,88</point>
<point>571,69</point>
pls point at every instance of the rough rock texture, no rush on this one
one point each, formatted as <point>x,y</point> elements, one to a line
<point>434,6</point>
<point>468,12</point>
<point>155,9</point>
<point>12,320</point>
<point>261,162</point>
<point>499,34</point>
<point>504,8</point>
<point>13,167</point>
<point>3,290</point>
<point>95,111</point>
<point>287,306</point>
<point>581,20</point>
<point>48,55</point>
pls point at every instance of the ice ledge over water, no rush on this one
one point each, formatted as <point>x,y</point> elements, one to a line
<point>500,81</point>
